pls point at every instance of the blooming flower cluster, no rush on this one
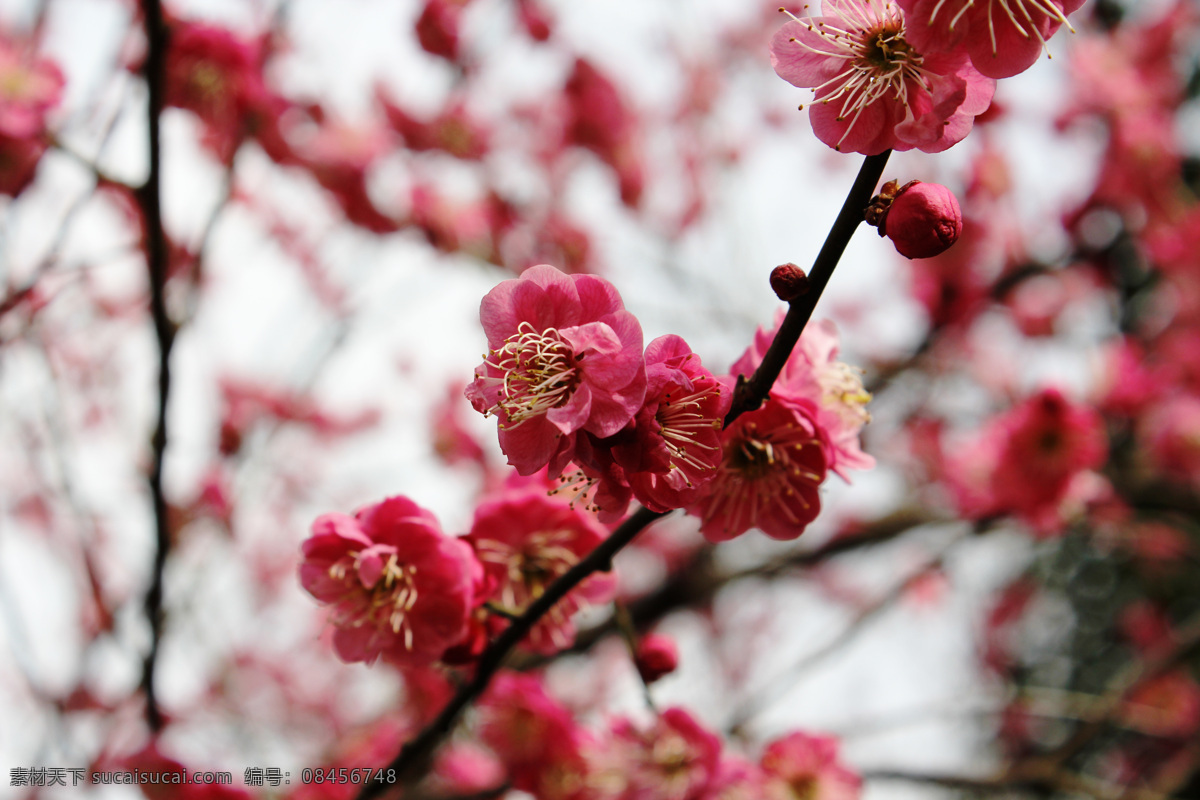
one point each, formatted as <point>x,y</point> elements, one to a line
<point>574,393</point>
<point>546,753</point>
<point>776,457</point>
<point>568,381</point>
<point>399,588</point>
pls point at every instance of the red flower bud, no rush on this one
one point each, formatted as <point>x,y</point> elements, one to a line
<point>788,282</point>
<point>921,219</point>
<point>656,656</point>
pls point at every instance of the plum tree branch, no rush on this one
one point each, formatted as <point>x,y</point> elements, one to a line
<point>149,197</point>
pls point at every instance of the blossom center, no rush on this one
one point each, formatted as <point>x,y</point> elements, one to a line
<point>804,788</point>
<point>388,601</point>
<point>842,390</point>
<point>531,567</point>
<point>540,372</point>
<point>758,473</point>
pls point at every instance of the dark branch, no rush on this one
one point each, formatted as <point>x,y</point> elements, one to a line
<point>753,393</point>
<point>150,201</point>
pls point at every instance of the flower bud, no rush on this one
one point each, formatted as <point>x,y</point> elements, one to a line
<point>656,656</point>
<point>788,282</point>
<point>921,219</point>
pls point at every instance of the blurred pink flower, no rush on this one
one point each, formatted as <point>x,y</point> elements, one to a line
<point>526,728</point>
<point>218,77</point>
<point>806,765</point>
<point>1167,705</point>
<point>737,779</point>
<point>1024,461</point>
<point>19,159</point>
<point>463,768</point>
<point>397,586</point>
<point>599,119</point>
<point>438,26</point>
<point>564,356</point>
<point>873,90</point>
<point>675,759</point>
<point>339,156</point>
<point>453,130</point>
<point>29,87</point>
<point>1172,436</point>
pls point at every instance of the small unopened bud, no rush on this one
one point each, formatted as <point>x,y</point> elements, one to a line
<point>921,219</point>
<point>789,282</point>
<point>656,656</point>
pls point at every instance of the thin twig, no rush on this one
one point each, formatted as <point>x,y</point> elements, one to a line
<point>752,393</point>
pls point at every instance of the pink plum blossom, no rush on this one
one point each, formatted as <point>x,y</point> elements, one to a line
<point>564,356</point>
<point>814,378</point>
<point>1025,461</point>
<point>29,87</point>
<point>1002,37</point>
<point>874,90</point>
<point>677,447</point>
<point>218,77</point>
<point>670,449</point>
<point>396,585</point>
<point>525,541</point>
<point>527,728</point>
<point>463,768</point>
<point>807,765</point>
<point>1172,435</point>
<point>675,759</point>
<point>737,779</point>
<point>599,118</point>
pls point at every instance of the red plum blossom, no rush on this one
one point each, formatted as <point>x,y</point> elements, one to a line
<point>807,765</point>
<point>773,463</point>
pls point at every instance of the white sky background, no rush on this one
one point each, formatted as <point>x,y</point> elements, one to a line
<point>258,320</point>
